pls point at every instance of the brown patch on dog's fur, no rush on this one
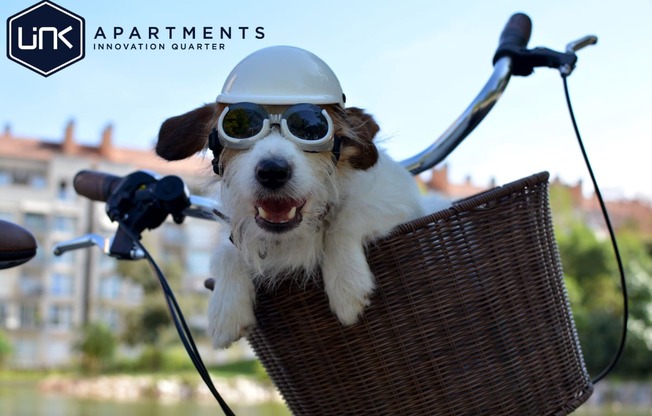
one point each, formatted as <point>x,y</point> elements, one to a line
<point>183,136</point>
<point>356,129</point>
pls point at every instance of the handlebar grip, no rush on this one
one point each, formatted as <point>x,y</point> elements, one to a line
<point>516,32</point>
<point>94,185</point>
<point>17,245</point>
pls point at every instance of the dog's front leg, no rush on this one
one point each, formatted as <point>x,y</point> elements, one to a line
<point>231,306</point>
<point>348,281</point>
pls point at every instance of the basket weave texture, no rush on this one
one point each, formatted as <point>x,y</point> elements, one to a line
<point>470,317</point>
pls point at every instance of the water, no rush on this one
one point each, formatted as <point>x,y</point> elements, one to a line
<point>25,399</point>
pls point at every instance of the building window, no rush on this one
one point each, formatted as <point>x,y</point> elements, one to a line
<point>61,285</point>
<point>65,192</point>
<point>23,177</point>
<point>20,177</point>
<point>36,223</point>
<point>5,177</point>
<point>4,315</point>
<point>64,224</point>
<point>38,181</point>
<point>28,315</point>
<point>30,285</point>
<point>60,316</point>
<point>110,287</point>
<point>64,259</point>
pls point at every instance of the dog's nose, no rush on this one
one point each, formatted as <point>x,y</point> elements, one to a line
<point>273,173</point>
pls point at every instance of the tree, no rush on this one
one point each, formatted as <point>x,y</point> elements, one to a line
<point>96,346</point>
<point>150,324</point>
<point>146,323</point>
<point>593,284</point>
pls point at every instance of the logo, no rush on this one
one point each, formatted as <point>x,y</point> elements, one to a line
<point>45,38</point>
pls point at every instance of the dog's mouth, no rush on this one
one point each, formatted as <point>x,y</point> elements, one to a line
<point>278,215</point>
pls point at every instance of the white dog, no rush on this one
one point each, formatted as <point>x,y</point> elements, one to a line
<point>305,189</point>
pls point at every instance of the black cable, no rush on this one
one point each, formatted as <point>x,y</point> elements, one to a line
<point>180,323</point>
<point>612,235</point>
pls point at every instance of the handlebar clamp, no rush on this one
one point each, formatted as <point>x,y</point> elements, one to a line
<point>525,60</point>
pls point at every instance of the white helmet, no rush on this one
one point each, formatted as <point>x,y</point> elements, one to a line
<point>282,75</point>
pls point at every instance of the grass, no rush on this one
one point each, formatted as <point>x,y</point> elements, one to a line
<point>247,368</point>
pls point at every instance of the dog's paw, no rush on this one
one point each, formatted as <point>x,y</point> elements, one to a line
<point>349,308</point>
<point>349,295</point>
<point>229,321</point>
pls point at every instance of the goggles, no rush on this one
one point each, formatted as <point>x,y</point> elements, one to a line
<point>241,125</point>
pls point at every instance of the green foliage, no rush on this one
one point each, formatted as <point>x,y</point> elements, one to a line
<point>96,346</point>
<point>5,349</point>
<point>146,323</point>
<point>253,368</point>
<point>176,359</point>
<point>593,285</point>
<point>150,359</point>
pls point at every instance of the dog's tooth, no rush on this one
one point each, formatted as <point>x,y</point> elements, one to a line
<point>262,212</point>
<point>292,212</point>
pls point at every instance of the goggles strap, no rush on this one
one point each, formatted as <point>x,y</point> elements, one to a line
<point>337,143</point>
<point>216,147</point>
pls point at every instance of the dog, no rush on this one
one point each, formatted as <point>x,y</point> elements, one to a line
<point>293,207</point>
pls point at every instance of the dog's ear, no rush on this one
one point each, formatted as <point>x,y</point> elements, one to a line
<point>359,136</point>
<point>183,136</point>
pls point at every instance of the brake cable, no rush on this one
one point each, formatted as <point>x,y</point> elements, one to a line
<point>612,236</point>
<point>179,322</point>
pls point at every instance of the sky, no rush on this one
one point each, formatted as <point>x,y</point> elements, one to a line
<point>414,65</point>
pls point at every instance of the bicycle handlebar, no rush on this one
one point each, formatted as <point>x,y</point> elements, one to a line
<point>511,58</point>
<point>100,186</point>
<point>515,35</point>
<point>96,186</point>
<point>516,32</point>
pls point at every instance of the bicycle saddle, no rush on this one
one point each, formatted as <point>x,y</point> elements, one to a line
<point>17,245</point>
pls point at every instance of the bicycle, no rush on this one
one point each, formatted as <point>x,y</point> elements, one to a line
<point>142,201</point>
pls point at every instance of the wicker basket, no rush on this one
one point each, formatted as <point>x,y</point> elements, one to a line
<point>470,317</point>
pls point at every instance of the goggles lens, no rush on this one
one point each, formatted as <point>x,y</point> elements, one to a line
<point>244,120</point>
<point>306,121</point>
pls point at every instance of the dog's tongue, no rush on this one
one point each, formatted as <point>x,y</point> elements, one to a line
<point>278,210</point>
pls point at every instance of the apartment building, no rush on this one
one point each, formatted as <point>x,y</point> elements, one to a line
<point>44,302</point>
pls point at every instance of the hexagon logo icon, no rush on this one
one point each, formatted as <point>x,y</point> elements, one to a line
<point>45,38</point>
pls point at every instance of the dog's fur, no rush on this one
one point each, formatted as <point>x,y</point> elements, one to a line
<point>342,205</point>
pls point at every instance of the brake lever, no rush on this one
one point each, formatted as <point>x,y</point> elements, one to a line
<point>573,47</point>
<point>90,240</point>
<point>525,60</point>
<point>581,43</point>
